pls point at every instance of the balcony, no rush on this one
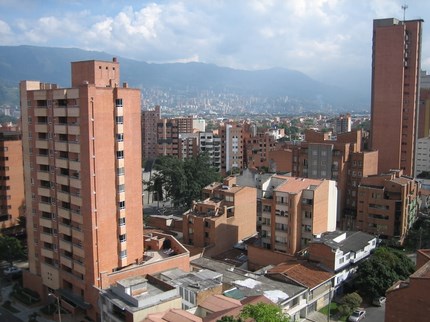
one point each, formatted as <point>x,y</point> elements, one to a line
<point>60,111</point>
<point>42,128</point>
<point>75,183</point>
<point>78,250</point>
<point>79,267</point>
<point>42,144</point>
<point>73,111</point>
<point>46,238</point>
<point>45,222</point>
<point>78,234</point>
<point>46,252</point>
<point>77,218</point>
<point>74,147</point>
<point>40,111</point>
<point>75,165</point>
<point>60,128</point>
<point>43,176</point>
<point>44,191</point>
<point>61,145</point>
<point>63,213</point>
<point>65,245</point>
<point>61,163</point>
<point>44,207</point>
<point>63,196</point>
<point>42,159</point>
<point>65,229</point>
<point>67,261</point>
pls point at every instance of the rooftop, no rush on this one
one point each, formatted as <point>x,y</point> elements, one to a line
<point>245,283</point>
<point>349,241</point>
<point>302,272</point>
<point>296,184</point>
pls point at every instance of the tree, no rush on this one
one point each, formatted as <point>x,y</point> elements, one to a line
<point>10,249</point>
<point>263,312</point>
<point>182,180</point>
<point>385,267</point>
<point>349,303</point>
<point>229,318</point>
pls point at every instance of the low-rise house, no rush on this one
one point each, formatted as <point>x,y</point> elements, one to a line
<point>194,287</point>
<point>317,281</point>
<point>240,284</point>
<point>173,315</point>
<point>340,252</point>
<point>133,298</point>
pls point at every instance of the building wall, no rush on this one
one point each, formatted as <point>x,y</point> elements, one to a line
<point>259,257</point>
<point>387,205</point>
<point>395,92</point>
<point>323,254</point>
<point>12,200</point>
<point>422,160</point>
<point>404,304</point>
<point>281,161</point>
<point>150,119</point>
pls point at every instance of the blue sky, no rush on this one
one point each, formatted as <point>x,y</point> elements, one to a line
<point>329,40</point>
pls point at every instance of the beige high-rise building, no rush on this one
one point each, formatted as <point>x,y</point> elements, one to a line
<point>395,92</point>
<point>82,166</point>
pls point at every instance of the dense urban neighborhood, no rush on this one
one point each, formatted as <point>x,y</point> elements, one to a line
<point>120,204</point>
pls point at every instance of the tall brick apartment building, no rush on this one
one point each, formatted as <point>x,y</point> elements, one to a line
<point>82,165</point>
<point>395,92</point>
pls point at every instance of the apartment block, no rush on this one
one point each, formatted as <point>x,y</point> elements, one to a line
<point>340,252</point>
<point>82,168</point>
<point>343,123</point>
<point>150,120</point>
<point>232,149</point>
<point>210,143</point>
<point>388,205</point>
<point>12,200</point>
<point>424,113</point>
<point>188,143</point>
<point>395,92</point>
<point>257,150</point>
<point>225,215</point>
<point>342,160</point>
<point>422,158</point>
<point>295,210</point>
<point>168,137</point>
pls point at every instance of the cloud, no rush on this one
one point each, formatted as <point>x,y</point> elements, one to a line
<point>319,37</point>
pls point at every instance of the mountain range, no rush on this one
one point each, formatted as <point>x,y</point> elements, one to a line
<point>53,65</point>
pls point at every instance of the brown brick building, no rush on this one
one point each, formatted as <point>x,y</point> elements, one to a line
<point>150,120</point>
<point>12,200</point>
<point>82,163</point>
<point>387,205</point>
<point>395,92</point>
<point>226,215</point>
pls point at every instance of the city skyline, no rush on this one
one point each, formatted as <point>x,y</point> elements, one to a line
<point>326,39</point>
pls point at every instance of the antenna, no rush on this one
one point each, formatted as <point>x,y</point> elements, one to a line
<point>404,7</point>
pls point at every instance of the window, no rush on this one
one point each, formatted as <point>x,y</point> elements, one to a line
<point>118,102</point>
<point>120,154</point>
<point>121,205</point>
<point>120,137</point>
<point>122,238</point>
<point>120,171</point>
<point>123,254</point>
<point>121,188</point>
<point>119,120</point>
<point>121,221</point>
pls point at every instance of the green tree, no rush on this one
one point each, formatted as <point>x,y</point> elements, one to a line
<point>263,312</point>
<point>182,180</point>
<point>10,249</point>
<point>349,303</point>
<point>381,270</point>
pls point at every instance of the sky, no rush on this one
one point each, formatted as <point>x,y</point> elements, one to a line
<point>329,40</point>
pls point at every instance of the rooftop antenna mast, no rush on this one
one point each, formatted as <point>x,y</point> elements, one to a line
<point>404,7</point>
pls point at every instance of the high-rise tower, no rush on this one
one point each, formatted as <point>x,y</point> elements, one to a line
<point>82,166</point>
<point>395,92</point>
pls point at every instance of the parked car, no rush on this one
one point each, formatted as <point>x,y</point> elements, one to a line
<point>12,270</point>
<point>379,301</point>
<point>357,315</point>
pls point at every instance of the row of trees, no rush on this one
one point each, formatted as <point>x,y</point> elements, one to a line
<point>181,180</point>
